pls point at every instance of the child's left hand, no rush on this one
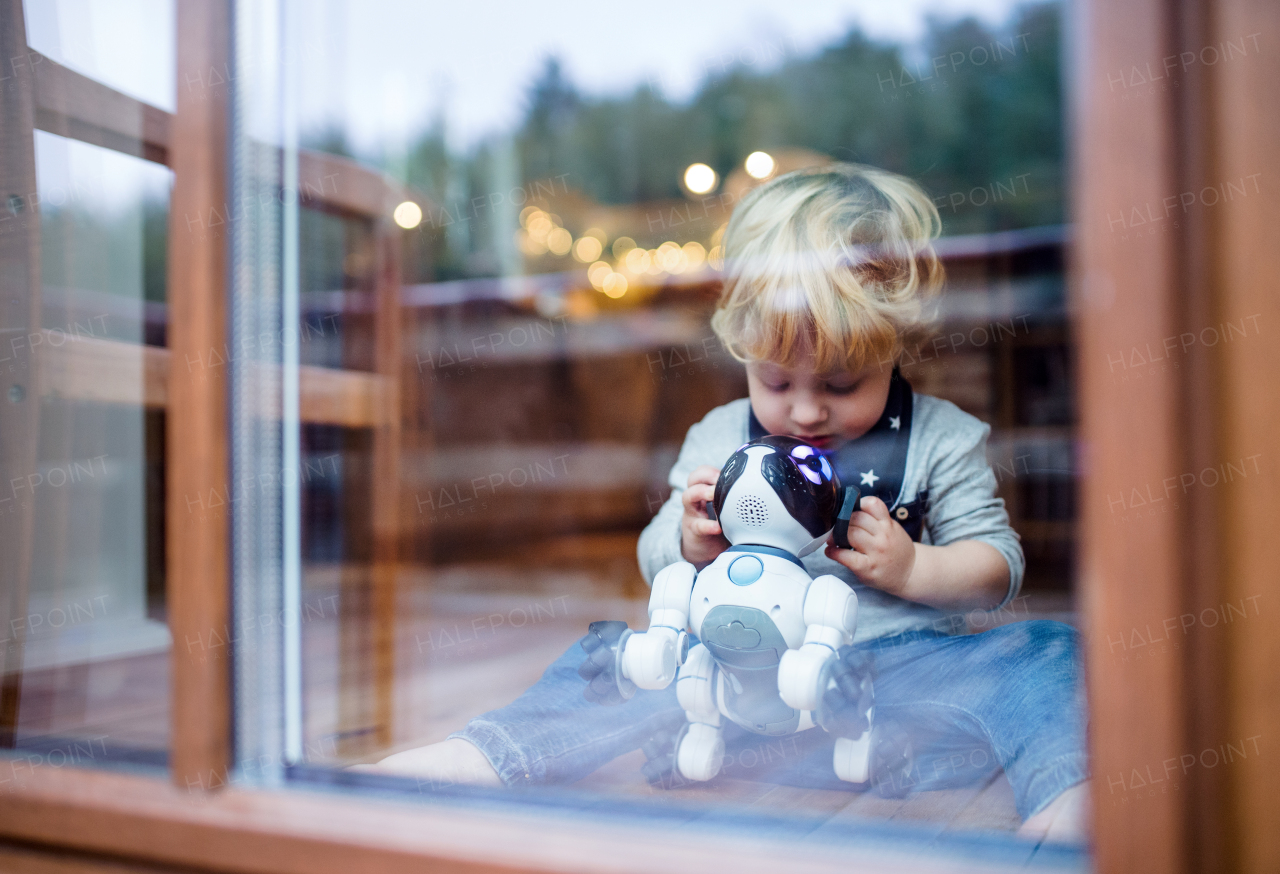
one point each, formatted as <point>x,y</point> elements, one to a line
<point>883,553</point>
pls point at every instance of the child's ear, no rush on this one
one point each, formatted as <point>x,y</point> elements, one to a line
<point>850,499</point>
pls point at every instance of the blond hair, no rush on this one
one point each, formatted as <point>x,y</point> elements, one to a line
<point>834,262</point>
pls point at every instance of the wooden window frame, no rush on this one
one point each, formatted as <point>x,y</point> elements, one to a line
<point>1145,130</point>
<point>1126,153</point>
<point>192,142</point>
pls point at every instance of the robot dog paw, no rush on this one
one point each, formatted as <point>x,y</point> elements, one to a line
<point>893,760</point>
<point>849,694</point>
<point>600,668</point>
<point>660,757</point>
<point>693,752</point>
<point>882,759</point>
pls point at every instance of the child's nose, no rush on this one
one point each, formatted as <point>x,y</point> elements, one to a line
<point>807,412</point>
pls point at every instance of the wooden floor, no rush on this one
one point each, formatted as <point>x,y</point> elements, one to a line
<point>470,639</point>
<point>454,668</point>
<point>987,806</point>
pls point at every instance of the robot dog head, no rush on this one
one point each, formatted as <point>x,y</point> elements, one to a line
<point>779,492</point>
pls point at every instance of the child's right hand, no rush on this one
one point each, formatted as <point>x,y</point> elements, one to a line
<point>701,539</point>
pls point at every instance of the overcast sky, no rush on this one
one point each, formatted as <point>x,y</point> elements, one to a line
<point>380,68</point>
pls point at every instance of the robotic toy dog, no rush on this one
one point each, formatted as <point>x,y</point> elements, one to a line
<point>769,632</point>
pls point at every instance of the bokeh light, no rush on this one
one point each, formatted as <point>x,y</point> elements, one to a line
<point>695,254</point>
<point>759,165</point>
<point>559,241</point>
<point>615,285</point>
<point>596,274</point>
<point>670,258</point>
<point>407,215</point>
<point>528,245</point>
<point>539,226</point>
<point>622,246</point>
<point>699,178</point>
<point>637,260</point>
<point>587,249</point>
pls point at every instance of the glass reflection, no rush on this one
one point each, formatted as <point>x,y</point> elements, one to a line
<point>558,275</point>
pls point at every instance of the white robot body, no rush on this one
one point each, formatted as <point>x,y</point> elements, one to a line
<point>768,630</point>
<point>748,610</point>
<point>776,587</point>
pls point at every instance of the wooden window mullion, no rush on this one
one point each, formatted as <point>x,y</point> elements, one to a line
<point>19,323</point>
<point>197,467</point>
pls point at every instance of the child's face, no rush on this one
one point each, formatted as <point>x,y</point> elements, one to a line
<point>826,410</point>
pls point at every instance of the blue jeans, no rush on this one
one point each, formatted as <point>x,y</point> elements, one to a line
<point>1006,698</point>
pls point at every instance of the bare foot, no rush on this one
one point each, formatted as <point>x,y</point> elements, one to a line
<point>1064,820</point>
<point>449,762</point>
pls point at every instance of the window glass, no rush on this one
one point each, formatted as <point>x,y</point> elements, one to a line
<point>565,181</point>
<point>88,652</point>
<point>490,243</point>
<point>126,45</point>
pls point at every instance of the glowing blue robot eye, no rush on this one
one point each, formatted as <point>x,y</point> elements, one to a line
<point>811,464</point>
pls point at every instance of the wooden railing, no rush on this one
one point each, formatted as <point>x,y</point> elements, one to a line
<point>73,105</point>
<point>44,95</point>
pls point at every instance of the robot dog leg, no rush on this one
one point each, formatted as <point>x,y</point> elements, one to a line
<point>805,675</point>
<point>649,659</point>
<point>700,748</point>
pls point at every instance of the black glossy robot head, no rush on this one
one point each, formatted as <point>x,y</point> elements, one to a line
<point>779,492</point>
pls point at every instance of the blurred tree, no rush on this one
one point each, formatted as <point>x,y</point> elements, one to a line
<point>975,114</point>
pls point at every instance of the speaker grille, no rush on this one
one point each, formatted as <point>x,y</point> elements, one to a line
<point>752,511</point>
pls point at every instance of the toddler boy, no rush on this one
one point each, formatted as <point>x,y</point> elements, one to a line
<point>827,272</point>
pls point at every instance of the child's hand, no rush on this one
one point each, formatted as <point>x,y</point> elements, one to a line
<point>883,553</point>
<point>701,539</point>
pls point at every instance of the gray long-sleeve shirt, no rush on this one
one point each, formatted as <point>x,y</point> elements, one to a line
<point>946,455</point>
